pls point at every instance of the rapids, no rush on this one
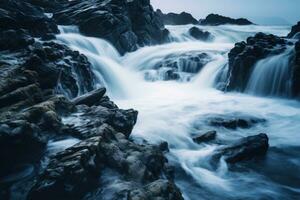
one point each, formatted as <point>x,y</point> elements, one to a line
<point>175,111</point>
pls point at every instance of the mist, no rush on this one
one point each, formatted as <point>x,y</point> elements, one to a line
<point>275,12</point>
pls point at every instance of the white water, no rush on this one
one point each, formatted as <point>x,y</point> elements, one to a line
<point>271,76</point>
<point>175,111</point>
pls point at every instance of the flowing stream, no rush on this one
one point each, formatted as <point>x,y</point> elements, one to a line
<point>177,109</point>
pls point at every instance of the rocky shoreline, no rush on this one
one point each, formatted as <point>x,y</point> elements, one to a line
<point>48,93</point>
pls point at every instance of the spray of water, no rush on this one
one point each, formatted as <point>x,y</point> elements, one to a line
<point>173,111</point>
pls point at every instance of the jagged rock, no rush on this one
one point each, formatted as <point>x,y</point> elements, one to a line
<point>16,15</point>
<point>125,24</point>
<point>215,20</point>
<point>244,149</point>
<point>295,30</point>
<point>80,166</point>
<point>91,98</point>
<point>206,137</point>
<point>244,55</point>
<point>200,34</point>
<point>177,19</point>
<point>88,123</point>
<point>14,39</point>
<point>234,122</point>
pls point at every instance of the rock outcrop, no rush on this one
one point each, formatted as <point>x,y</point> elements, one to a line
<point>200,34</point>
<point>176,19</point>
<point>244,149</point>
<point>216,20</point>
<point>295,31</point>
<point>126,24</point>
<point>47,92</point>
<point>245,55</point>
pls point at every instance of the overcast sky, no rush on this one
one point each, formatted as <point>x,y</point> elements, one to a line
<point>259,11</point>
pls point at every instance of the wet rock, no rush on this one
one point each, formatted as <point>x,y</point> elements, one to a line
<point>206,137</point>
<point>200,34</point>
<point>18,139</point>
<point>19,15</point>
<point>125,24</point>
<point>81,166</point>
<point>14,39</point>
<point>91,98</point>
<point>215,20</point>
<point>295,30</point>
<point>178,67</point>
<point>88,123</point>
<point>70,173</point>
<point>177,19</point>
<point>234,122</point>
<point>244,149</point>
<point>244,56</point>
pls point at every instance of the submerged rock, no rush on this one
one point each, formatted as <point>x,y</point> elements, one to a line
<point>206,137</point>
<point>234,122</point>
<point>244,149</point>
<point>200,34</point>
<point>215,20</point>
<point>177,19</point>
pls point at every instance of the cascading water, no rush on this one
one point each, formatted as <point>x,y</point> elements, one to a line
<point>271,76</point>
<point>175,111</point>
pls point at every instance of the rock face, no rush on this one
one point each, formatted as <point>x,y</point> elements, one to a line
<point>47,92</point>
<point>295,30</point>
<point>126,24</point>
<point>244,56</point>
<point>244,149</point>
<point>177,19</point>
<point>216,20</point>
<point>200,34</point>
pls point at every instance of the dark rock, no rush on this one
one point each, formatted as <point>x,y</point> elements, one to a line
<point>18,15</point>
<point>177,19</point>
<point>14,39</point>
<point>173,66</point>
<point>244,149</point>
<point>98,116</point>
<point>244,56</point>
<point>206,137</point>
<point>91,98</point>
<point>80,167</point>
<point>125,24</point>
<point>200,34</point>
<point>234,122</point>
<point>295,30</point>
<point>215,20</point>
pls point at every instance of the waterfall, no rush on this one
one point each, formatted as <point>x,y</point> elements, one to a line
<point>176,112</point>
<point>271,76</point>
<point>104,59</point>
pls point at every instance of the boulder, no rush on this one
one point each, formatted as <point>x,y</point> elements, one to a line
<point>177,19</point>
<point>234,122</point>
<point>126,24</point>
<point>244,149</point>
<point>295,30</point>
<point>215,20</point>
<point>200,34</point>
<point>244,56</point>
<point>90,98</point>
<point>206,137</point>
